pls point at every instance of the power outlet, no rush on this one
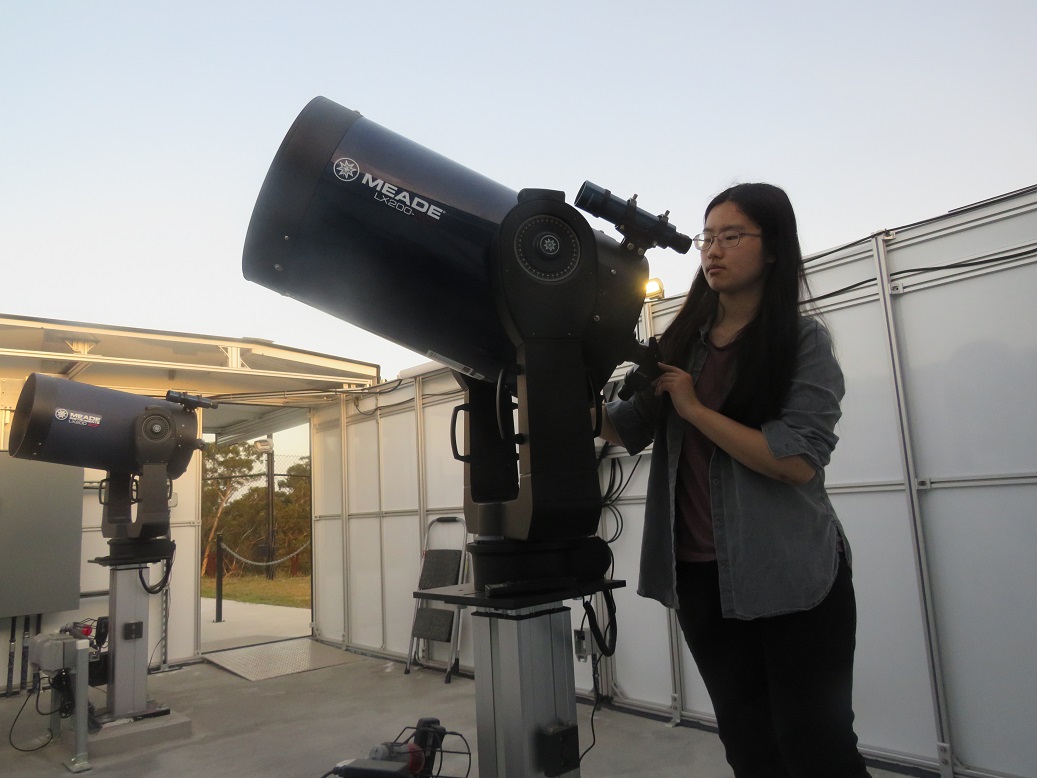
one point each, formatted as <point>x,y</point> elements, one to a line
<point>580,646</point>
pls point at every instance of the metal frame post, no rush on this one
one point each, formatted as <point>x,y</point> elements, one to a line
<point>945,752</point>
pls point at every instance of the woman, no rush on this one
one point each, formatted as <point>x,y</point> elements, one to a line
<point>740,536</point>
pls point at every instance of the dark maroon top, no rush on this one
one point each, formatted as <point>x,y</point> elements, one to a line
<point>694,517</point>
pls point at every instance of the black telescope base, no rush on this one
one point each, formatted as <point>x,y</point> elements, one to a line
<point>131,551</point>
<point>517,567</point>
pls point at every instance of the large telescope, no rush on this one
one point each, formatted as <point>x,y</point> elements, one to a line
<point>513,290</point>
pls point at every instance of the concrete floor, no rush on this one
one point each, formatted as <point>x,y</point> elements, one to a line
<point>301,725</point>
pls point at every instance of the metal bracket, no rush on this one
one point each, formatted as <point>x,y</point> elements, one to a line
<point>943,750</point>
<point>675,711</point>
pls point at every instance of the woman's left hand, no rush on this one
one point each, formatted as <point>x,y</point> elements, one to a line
<point>680,386</point>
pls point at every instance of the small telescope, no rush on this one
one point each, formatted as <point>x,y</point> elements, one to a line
<point>143,444</point>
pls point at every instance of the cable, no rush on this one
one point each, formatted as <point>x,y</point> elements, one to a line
<point>597,702</point>
<point>823,254</point>
<point>630,478</point>
<point>915,270</point>
<point>838,292</point>
<point>965,263</point>
<point>467,752</point>
<point>356,405</point>
<point>617,485</point>
<point>607,642</point>
<point>617,514</point>
<point>165,578</point>
<point>607,647</point>
<point>161,640</point>
<point>38,688</point>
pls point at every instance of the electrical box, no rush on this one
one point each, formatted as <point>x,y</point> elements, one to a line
<point>41,536</point>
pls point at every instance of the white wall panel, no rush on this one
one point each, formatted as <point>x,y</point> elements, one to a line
<point>401,550</point>
<point>869,440</point>
<point>399,465</point>
<point>642,658</point>
<point>328,575</point>
<point>92,508</point>
<point>892,693</point>
<point>972,358</point>
<point>981,543</point>
<point>93,577</point>
<point>444,475</point>
<point>362,473</point>
<point>327,536</point>
<point>364,588</point>
<point>327,463</point>
<point>641,661</point>
<point>184,594</point>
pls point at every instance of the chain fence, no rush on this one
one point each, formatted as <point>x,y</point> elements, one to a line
<point>260,506</point>
<point>242,559</point>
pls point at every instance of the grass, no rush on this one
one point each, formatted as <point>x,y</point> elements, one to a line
<point>291,592</point>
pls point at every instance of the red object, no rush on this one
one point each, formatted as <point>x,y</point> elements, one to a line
<point>417,759</point>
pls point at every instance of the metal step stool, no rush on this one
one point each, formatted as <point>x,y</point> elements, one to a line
<point>440,567</point>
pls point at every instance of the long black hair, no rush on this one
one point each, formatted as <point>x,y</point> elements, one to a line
<point>767,346</point>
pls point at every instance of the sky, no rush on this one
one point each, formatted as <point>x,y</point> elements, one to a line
<point>135,136</point>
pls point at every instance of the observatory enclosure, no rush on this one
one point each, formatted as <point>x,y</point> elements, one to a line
<point>935,480</point>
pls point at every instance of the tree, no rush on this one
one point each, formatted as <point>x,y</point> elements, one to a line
<point>293,512</point>
<point>223,468</point>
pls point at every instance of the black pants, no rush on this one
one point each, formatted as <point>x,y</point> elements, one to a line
<point>781,686</point>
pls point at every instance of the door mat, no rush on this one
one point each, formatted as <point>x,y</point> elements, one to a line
<point>285,657</point>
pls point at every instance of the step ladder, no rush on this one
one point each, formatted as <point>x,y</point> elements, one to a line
<point>439,567</point>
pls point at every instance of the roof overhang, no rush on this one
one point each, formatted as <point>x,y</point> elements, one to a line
<point>261,387</point>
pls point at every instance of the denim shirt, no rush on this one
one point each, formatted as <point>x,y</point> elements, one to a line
<point>776,543</point>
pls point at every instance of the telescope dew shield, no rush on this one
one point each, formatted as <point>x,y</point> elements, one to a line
<point>381,232</point>
<point>68,423</point>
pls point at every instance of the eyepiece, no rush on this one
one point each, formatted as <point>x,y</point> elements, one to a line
<point>642,228</point>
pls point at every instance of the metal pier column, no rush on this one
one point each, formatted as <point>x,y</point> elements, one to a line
<point>524,690</point>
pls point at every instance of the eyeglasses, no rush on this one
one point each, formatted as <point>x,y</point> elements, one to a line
<point>727,240</point>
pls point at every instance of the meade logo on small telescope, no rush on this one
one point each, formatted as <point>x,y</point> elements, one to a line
<point>76,417</point>
<point>403,201</point>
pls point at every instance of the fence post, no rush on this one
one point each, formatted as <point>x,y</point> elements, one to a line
<point>219,578</point>
<point>270,509</point>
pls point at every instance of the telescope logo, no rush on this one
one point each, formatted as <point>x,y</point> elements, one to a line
<point>75,417</point>
<point>403,201</point>
<point>346,169</point>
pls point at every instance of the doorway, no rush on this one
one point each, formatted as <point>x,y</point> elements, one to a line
<point>256,556</point>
